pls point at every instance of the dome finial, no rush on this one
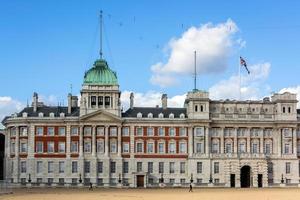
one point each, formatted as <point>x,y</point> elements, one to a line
<point>101,53</point>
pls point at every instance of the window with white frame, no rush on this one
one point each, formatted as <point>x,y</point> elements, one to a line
<point>267,148</point>
<point>161,167</point>
<point>216,167</point>
<point>125,131</point>
<point>150,167</point>
<point>228,147</point>
<point>74,166</point>
<point>74,130</point>
<point>113,131</point>
<point>199,131</point>
<point>139,131</point>
<point>287,167</point>
<point>61,131</point>
<point>161,131</point>
<point>199,147</point>
<point>254,148</point>
<point>182,167</point>
<point>100,146</point>
<point>87,166</point>
<point>39,167</point>
<point>39,131</point>
<point>172,132</point>
<point>199,167</point>
<point>113,146</point>
<point>139,166</point>
<point>50,131</point>
<point>87,146</point>
<point>87,130</point>
<point>39,147</point>
<point>150,147</point>
<point>50,147</point>
<point>61,167</point>
<point>125,147</point>
<point>215,146</point>
<point>61,147</point>
<point>182,132</point>
<point>172,147</point>
<point>139,147</point>
<point>150,131</point>
<point>161,147</point>
<point>172,167</point>
<point>23,147</point>
<point>74,147</point>
<point>242,147</point>
<point>286,148</point>
<point>23,166</point>
<point>182,147</point>
<point>100,131</point>
<point>50,166</point>
<point>12,147</point>
<point>23,131</point>
<point>13,131</point>
<point>112,167</point>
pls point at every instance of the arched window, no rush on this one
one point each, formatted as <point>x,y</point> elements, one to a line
<point>139,115</point>
<point>196,108</point>
<point>150,115</point>
<point>160,115</point>
<point>283,109</point>
<point>201,108</point>
<point>289,109</point>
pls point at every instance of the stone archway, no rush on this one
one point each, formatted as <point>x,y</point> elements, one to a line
<point>245,176</point>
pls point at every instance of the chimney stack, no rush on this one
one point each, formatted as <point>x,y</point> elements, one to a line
<point>35,101</point>
<point>131,100</point>
<point>164,101</point>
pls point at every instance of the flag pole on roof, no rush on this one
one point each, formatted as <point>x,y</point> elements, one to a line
<point>195,70</point>
<point>101,53</point>
<point>242,62</point>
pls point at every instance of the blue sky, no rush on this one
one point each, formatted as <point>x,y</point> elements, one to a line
<point>48,45</point>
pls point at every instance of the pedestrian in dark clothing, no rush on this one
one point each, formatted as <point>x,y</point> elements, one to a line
<point>191,188</point>
<point>91,186</point>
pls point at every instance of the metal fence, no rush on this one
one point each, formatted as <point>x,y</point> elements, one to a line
<point>5,187</point>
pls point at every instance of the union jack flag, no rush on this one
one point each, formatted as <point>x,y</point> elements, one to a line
<point>243,63</point>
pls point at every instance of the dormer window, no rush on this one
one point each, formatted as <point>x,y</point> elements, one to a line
<point>171,116</point>
<point>51,114</point>
<point>139,115</point>
<point>182,116</point>
<point>161,115</point>
<point>41,114</point>
<point>24,114</point>
<point>150,115</point>
<point>62,114</point>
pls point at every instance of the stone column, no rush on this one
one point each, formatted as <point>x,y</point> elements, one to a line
<point>222,140</point>
<point>261,142</point>
<point>191,147</point>
<point>235,144</point>
<point>16,164</point>
<point>106,142</point>
<point>294,142</point>
<point>119,141</point>
<point>94,141</point>
<point>279,142</point>
<point>81,142</point>
<point>248,145</point>
<point>207,141</point>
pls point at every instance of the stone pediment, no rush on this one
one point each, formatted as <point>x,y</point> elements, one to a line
<point>100,116</point>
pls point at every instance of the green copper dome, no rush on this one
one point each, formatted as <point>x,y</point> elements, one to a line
<point>100,74</point>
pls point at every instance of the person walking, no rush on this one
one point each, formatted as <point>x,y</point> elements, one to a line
<point>91,186</point>
<point>191,188</point>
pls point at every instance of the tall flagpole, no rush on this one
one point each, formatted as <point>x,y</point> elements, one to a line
<point>195,70</point>
<point>240,80</point>
<point>101,53</point>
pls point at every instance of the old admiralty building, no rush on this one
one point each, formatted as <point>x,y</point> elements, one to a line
<point>206,142</point>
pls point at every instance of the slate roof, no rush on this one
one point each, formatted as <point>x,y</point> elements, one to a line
<point>132,112</point>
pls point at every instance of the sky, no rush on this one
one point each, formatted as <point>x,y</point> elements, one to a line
<point>46,46</point>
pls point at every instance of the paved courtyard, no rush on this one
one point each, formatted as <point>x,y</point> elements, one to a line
<point>153,194</point>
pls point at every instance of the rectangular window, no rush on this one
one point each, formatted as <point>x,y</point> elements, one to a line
<point>100,146</point>
<point>172,147</point>
<point>160,167</point>
<point>172,167</point>
<point>113,131</point>
<point>23,147</point>
<point>100,167</point>
<point>182,181</point>
<point>139,147</point>
<point>215,148</point>
<point>150,131</point>
<point>182,147</point>
<point>39,167</point>
<point>199,167</point>
<point>125,167</point>
<point>242,148</point>
<point>286,148</point>
<point>61,167</point>
<point>161,147</point>
<point>74,147</point>
<point>254,148</point>
<point>12,147</point>
<point>74,166</point>
<point>87,130</point>
<point>100,131</point>
<point>150,147</point>
<point>125,147</point>
<point>112,167</point>
<point>182,167</point>
<point>182,132</point>
<point>199,131</point>
<point>61,147</point>
<point>61,131</point>
<point>172,132</point>
<point>113,146</point>
<point>216,167</point>
<point>228,148</point>
<point>288,168</point>
<point>93,101</point>
<point>87,146</point>
<point>50,166</point>
<point>139,166</point>
<point>23,131</point>
<point>74,130</point>
<point>107,101</point>
<point>125,131</point>
<point>87,167</point>
<point>199,147</point>
<point>161,131</point>
<point>39,147</point>
<point>50,131</point>
<point>150,167</point>
<point>40,131</point>
<point>23,166</point>
<point>50,147</point>
<point>139,131</point>
<point>100,101</point>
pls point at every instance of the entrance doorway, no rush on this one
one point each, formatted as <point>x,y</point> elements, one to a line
<point>245,176</point>
<point>140,181</point>
<point>2,146</point>
<point>260,180</point>
<point>232,180</point>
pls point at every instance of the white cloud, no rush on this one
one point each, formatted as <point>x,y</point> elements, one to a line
<point>150,99</point>
<point>295,90</point>
<point>252,86</point>
<point>8,106</point>
<point>213,43</point>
